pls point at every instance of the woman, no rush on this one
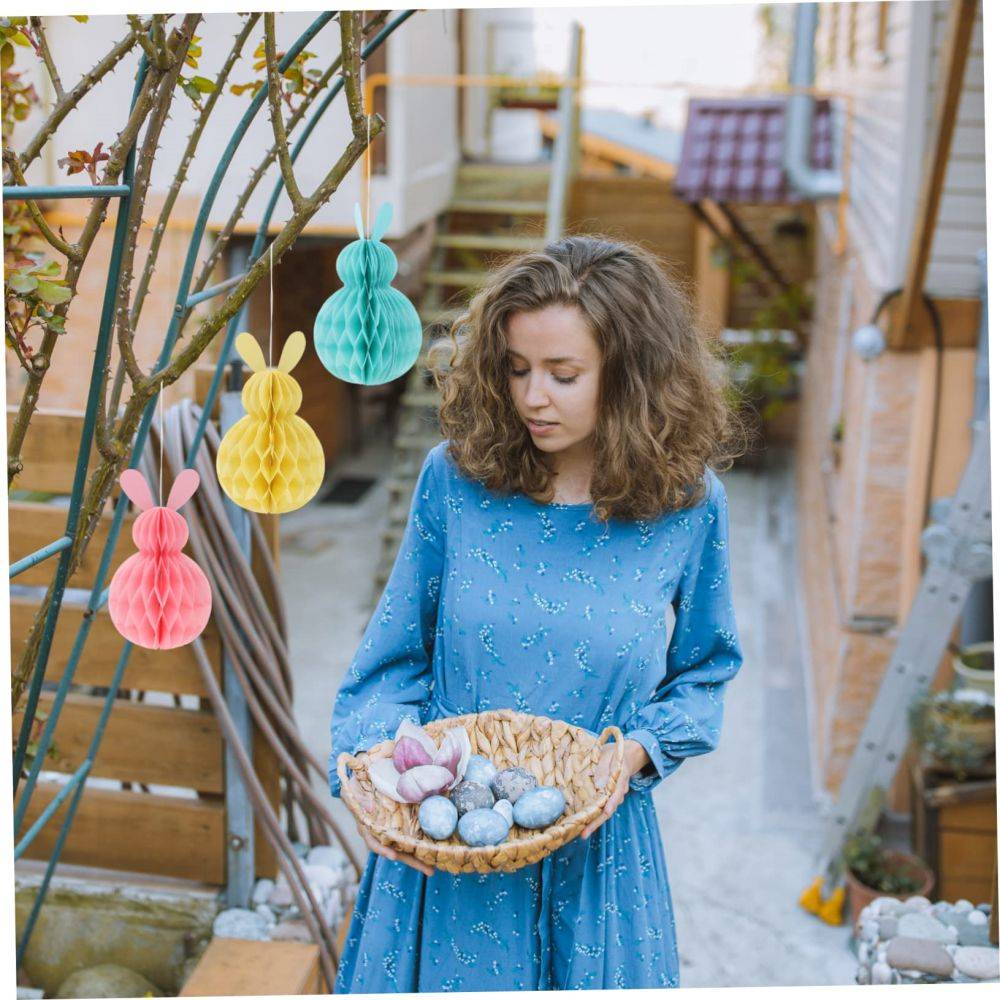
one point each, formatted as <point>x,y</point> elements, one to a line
<point>572,503</point>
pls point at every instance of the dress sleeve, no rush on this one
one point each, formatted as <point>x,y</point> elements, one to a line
<point>685,715</point>
<point>389,678</point>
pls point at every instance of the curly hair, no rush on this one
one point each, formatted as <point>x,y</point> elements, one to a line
<point>662,408</point>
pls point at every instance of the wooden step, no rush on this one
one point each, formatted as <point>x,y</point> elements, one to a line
<point>233,967</point>
<point>525,171</point>
<point>477,241</point>
<point>456,279</point>
<point>485,206</point>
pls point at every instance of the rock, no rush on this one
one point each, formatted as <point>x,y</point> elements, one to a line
<point>512,782</point>
<point>106,980</point>
<point>962,906</point>
<point>300,849</point>
<point>480,769</point>
<point>984,907</point>
<point>867,930</point>
<point>321,878</point>
<point>506,810</point>
<point>469,795</point>
<point>333,910</point>
<point>281,894</point>
<point>888,927</point>
<point>863,976</point>
<point>329,855</point>
<point>438,816</point>
<point>539,807</point>
<point>919,954</point>
<point>266,913</point>
<point>978,963</point>
<point>291,930</point>
<point>923,925</point>
<point>240,923</point>
<point>917,904</point>
<point>483,828</point>
<point>887,906</point>
<point>261,891</point>
<point>881,974</point>
<point>978,919</point>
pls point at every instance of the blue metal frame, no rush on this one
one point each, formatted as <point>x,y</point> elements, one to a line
<point>74,788</point>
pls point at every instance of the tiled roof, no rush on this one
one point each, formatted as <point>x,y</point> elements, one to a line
<point>732,150</point>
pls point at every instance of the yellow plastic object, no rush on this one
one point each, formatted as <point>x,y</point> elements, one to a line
<point>832,911</point>
<point>270,461</point>
<point>811,900</point>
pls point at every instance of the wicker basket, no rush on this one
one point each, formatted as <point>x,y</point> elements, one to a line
<point>554,752</point>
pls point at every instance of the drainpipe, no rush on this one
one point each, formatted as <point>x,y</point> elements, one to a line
<point>807,181</point>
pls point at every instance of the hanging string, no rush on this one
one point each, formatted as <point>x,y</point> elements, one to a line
<point>159,401</point>
<point>270,305</point>
<point>366,160</point>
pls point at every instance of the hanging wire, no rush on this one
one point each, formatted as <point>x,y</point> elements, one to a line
<point>270,306</point>
<point>159,402</point>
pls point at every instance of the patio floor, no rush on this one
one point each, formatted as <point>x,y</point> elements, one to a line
<point>738,825</point>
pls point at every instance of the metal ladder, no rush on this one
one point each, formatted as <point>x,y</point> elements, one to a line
<point>958,551</point>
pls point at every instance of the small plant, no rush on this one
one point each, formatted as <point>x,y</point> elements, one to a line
<point>878,868</point>
<point>955,729</point>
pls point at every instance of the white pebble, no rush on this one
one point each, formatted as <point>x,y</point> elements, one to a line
<point>881,974</point>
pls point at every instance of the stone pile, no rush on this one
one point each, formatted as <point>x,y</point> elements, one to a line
<point>275,916</point>
<point>916,941</point>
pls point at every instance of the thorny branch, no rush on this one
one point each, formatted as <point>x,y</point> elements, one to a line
<point>42,43</point>
<point>68,250</point>
<point>277,120</point>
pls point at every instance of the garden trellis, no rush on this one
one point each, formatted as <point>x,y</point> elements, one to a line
<point>185,300</point>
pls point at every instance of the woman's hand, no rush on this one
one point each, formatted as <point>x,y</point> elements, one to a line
<point>376,846</point>
<point>636,759</point>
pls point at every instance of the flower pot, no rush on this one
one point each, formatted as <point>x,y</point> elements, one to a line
<point>860,895</point>
<point>977,677</point>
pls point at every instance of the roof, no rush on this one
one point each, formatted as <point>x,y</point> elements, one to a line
<point>732,150</point>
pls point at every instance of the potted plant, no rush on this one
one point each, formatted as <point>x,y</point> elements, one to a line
<point>873,870</point>
<point>956,731</point>
<point>974,665</point>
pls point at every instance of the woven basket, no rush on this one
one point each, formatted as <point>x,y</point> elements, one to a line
<point>554,752</point>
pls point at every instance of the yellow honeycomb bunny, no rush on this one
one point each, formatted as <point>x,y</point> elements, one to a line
<point>270,461</point>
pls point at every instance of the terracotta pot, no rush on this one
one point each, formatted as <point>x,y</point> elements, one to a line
<point>860,895</point>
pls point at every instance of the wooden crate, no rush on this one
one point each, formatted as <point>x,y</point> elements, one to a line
<point>179,828</point>
<point>955,832</point>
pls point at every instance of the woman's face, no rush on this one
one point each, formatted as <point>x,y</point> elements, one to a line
<point>555,369</point>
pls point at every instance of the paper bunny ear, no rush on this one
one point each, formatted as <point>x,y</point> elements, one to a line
<point>136,488</point>
<point>250,352</point>
<point>184,485</point>
<point>291,353</point>
<point>359,222</point>
<point>382,221</point>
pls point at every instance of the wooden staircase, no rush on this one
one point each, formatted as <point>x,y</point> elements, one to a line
<point>497,210</point>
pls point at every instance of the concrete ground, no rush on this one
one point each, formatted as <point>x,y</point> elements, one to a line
<point>739,825</point>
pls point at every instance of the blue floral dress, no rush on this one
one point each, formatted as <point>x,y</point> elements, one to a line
<point>503,602</point>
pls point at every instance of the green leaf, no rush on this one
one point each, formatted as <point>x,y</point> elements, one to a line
<point>56,323</point>
<point>22,283</point>
<point>203,84</point>
<point>53,294</point>
<point>49,270</point>
<point>82,18</point>
<point>6,56</point>
<point>19,39</point>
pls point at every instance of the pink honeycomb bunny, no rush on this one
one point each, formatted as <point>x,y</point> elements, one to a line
<point>159,598</point>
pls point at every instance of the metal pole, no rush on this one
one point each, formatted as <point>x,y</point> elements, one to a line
<point>240,867</point>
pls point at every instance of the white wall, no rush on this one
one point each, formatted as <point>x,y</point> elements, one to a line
<point>420,129</point>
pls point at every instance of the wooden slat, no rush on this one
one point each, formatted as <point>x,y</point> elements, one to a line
<point>968,859</point>
<point>232,967</point>
<point>175,671</point>
<point>146,743</point>
<point>33,525</point>
<point>135,831</point>
<point>50,450</point>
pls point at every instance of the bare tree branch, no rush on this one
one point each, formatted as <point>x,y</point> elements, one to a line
<point>73,98</point>
<point>43,50</point>
<point>277,120</point>
<point>66,249</point>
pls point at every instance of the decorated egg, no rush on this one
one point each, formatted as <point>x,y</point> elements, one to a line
<point>438,817</point>
<point>469,795</point>
<point>538,807</point>
<point>480,769</point>
<point>512,782</point>
<point>505,809</point>
<point>483,828</point>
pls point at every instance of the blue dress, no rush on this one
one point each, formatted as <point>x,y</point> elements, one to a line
<point>503,602</point>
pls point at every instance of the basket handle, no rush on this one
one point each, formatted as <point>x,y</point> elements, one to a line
<point>619,752</point>
<point>344,761</point>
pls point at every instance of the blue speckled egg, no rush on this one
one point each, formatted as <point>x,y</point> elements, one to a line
<point>469,795</point>
<point>538,807</point>
<point>505,809</point>
<point>483,828</point>
<point>480,769</point>
<point>438,817</point>
<point>512,782</point>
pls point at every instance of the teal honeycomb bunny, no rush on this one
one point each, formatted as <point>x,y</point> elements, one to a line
<point>368,332</point>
